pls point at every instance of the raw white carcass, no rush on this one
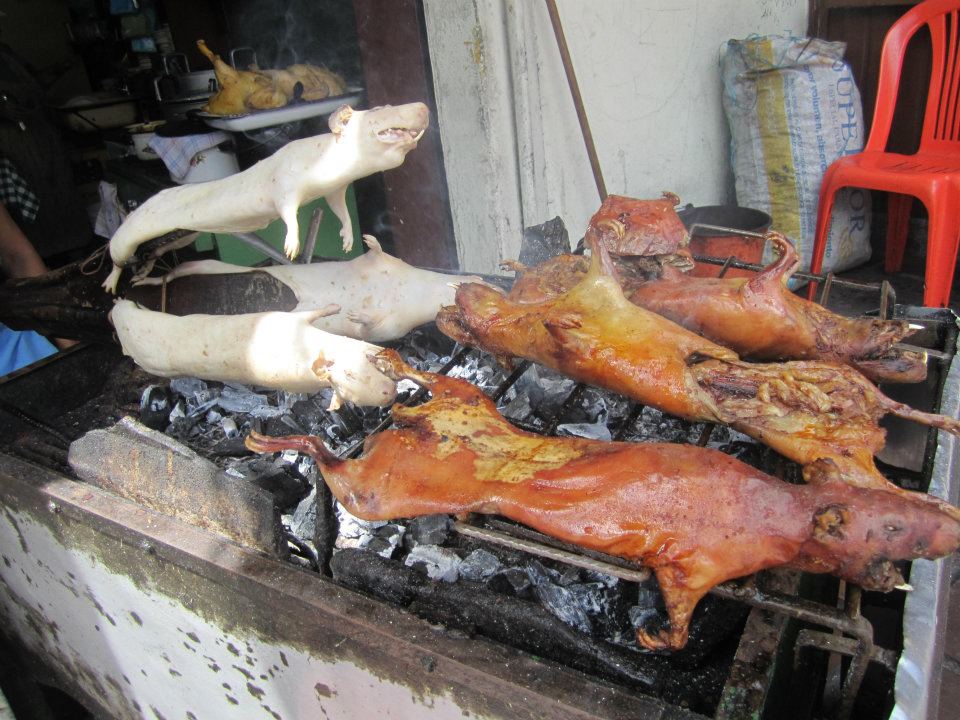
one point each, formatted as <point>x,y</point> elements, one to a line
<point>277,350</point>
<point>380,297</point>
<point>362,142</point>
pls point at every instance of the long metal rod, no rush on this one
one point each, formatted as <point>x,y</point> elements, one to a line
<point>259,244</point>
<point>577,98</point>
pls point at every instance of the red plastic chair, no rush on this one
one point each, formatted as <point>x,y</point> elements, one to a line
<point>932,174</point>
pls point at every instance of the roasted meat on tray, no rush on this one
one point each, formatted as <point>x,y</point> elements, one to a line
<point>696,516</point>
<point>759,318</point>
<point>805,410</point>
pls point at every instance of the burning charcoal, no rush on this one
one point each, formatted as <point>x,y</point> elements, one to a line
<point>427,530</point>
<point>381,546</point>
<point>560,601</point>
<point>570,576</point>
<point>593,431</point>
<point>155,407</point>
<point>229,447</point>
<point>309,413</point>
<point>229,427</point>
<point>386,540</point>
<point>303,521</point>
<point>438,563</point>
<point>197,395</point>
<point>479,565</point>
<point>354,532</point>
<point>518,408</point>
<point>239,398</point>
<point>512,581</point>
<point>292,423</point>
<point>542,242</point>
<point>187,386</point>
<point>507,620</point>
<point>287,486</point>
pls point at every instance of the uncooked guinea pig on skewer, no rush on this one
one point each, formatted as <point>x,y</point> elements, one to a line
<point>695,516</point>
<point>380,296</point>
<point>278,350</point>
<point>361,142</point>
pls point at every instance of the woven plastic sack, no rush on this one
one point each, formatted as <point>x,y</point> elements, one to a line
<point>793,108</point>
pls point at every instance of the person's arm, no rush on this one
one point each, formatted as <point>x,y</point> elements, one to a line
<point>18,257</point>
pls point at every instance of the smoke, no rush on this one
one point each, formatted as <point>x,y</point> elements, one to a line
<point>284,32</point>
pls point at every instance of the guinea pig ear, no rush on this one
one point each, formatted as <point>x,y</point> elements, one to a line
<point>339,119</point>
<point>828,522</point>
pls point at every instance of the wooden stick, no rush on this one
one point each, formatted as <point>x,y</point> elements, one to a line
<point>577,99</point>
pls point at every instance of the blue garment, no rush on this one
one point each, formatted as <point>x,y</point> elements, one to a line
<point>19,348</point>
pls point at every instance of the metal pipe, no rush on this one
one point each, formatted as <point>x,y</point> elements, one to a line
<point>258,243</point>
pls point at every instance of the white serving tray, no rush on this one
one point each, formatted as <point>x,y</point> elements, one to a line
<point>300,110</point>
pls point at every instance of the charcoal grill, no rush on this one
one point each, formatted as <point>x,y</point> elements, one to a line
<point>130,609</point>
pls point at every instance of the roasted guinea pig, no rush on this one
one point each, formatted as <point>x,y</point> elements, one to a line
<point>316,83</point>
<point>762,320</point>
<point>628,226</point>
<point>695,516</point>
<point>805,410</point>
<point>240,90</point>
<point>759,318</point>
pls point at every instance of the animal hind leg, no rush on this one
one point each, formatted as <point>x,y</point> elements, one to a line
<point>291,242</point>
<point>337,200</point>
<point>680,600</point>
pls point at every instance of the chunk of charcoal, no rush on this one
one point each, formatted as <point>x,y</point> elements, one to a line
<point>562,603</point>
<point>479,565</point>
<point>240,398</point>
<point>352,531</point>
<point>512,581</point>
<point>188,386</point>
<point>386,539</point>
<point>381,546</point>
<point>437,562</point>
<point>540,574</point>
<point>570,576</point>
<point>155,407</point>
<point>544,241</point>
<point>309,413</point>
<point>229,427</point>
<point>287,486</point>
<point>596,576</point>
<point>303,521</point>
<point>427,530</point>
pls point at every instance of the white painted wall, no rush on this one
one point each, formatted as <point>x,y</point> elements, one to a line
<point>649,76</point>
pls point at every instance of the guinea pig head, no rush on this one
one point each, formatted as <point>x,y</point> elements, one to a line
<point>859,533</point>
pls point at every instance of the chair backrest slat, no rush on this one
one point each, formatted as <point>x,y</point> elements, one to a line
<point>941,123</point>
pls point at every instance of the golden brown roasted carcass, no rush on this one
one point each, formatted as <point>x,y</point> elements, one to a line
<point>762,320</point>
<point>316,83</point>
<point>759,318</point>
<point>240,90</point>
<point>806,410</point>
<point>695,516</point>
